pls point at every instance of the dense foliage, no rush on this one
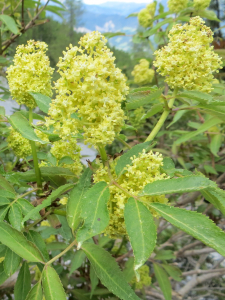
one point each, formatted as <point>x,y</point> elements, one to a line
<point>144,215</point>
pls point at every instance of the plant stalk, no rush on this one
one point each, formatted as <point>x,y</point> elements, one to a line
<point>103,154</point>
<point>162,119</point>
<point>34,154</point>
<point>62,253</point>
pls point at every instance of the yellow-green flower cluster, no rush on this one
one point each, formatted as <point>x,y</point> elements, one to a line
<point>31,72</point>
<point>142,74</point>
<point>188,61</point>
<point>20,146</point>
<point>63,200</point>
<point>69,148</point>
<point>144,169</point>
<point>135,118</point>
<point>201,4</point>
<point>177,5</point>
<point>145,279</point>
<point>89,92</point>
<point>146,15</point>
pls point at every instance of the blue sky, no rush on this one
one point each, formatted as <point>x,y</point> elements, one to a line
<point>102,1</point>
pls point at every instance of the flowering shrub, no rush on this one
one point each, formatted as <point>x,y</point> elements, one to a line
<point>71,223</point>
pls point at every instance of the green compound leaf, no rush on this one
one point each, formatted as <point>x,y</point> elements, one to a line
<point>26,207</point>
<point>177,185</point>
<point>37,240</point>
<point>23,283</point>
<point>52,285</point>
<point>55,194</point>
<point>205,126</point>
<point>11,262</point>
<point>16,241</point>
<point>10,23</point>
<point>76,199</point>
<point>195,224</point>
<point>163,281</point>
<point>141,230</point>
<point>4,201</point>
<point>7,194</point>
<point>36,292</point>
<point>21,124</point>
<point>138,99</point>
<point>108,272</point>
<point>42,101</point>
<point>77,260</point>
<point>94,212</point>
<point>153,30</point>
<point>125,159</point>
<point>216,197</point>
<point>15,216</point>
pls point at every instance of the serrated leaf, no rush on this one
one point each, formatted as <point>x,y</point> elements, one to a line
<point>10,23</point>
<point>94,212</point>
<point>94,280</point>
<point>197,96</point>
<point>35,293</point>
<point>173,271</point>
<point>125,159</point>
<point>216,197</point>
<point>3,212</point>
<point>15,216</point>
<point>215,144</point>
<point>154,110</point>
<point>110,35</point>
<point>153,30</point>
<point>108,271</point>
<point>21,124</point>
<point>205,126</point>
<point>23,283</point>
<point>64,230</point>
<point>46,173</point>
<point>11,262</point>
<point>3,275</point>
<point>132,15</point>
<point>138,99</point>
<point>208,14</point>
<point>55,194</point>
<point>16,241</point>
<point>177,185</point>
<point>75,199</point>
<point>52,285</point>
<point>128,271</point>
<point>164,255</point>
<point>77,260</point>
<point>42,101</point>
<point>38,241</point>
<point>141,230</point>
<point>7,194</point>
<point>163,281</point>
<point>177,117</point>
<point>4,201</point>
<point>5,185</point>
<point>195,224</point>
<point>26,207</point>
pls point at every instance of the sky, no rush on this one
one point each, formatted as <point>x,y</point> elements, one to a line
<point>102,1</point>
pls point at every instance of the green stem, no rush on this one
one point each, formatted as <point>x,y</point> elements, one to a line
<point>59,212</point>
<point>103,154</point>
<point>123,142</point>
<point>162,118</point>
<point>61,254</point>
<point>34,154</point>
